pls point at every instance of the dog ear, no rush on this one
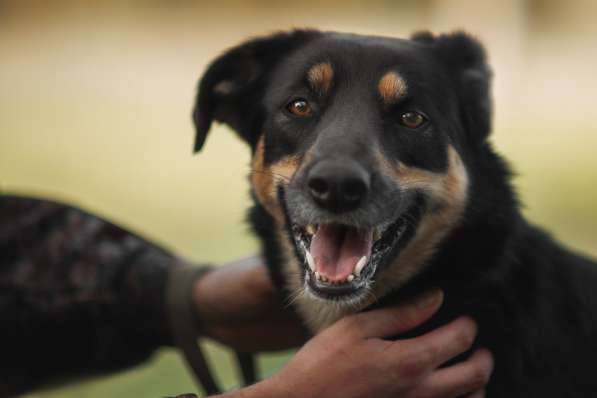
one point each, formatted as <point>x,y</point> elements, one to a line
<point>467,63</point>
<point>232,88</point>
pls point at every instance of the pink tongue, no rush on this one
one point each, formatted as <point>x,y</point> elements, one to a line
<point>337,249</point>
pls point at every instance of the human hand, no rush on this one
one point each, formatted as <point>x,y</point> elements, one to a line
<point>351,358</point>
<point>237,305</point>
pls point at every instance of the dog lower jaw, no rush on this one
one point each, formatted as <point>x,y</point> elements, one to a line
<point>318,312</point>
<point>349,294</point>
<point>356,288</point>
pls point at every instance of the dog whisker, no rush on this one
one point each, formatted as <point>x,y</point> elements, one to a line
<point>297,294</point>
<point>270,173</point>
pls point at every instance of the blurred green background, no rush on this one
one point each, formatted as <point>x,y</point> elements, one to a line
<point>95,101</point>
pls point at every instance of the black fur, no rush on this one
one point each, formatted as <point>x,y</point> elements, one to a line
<point>244,71</point>
<point>535,302</point>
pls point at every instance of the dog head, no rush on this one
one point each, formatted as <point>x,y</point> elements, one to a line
<point>359,151</point>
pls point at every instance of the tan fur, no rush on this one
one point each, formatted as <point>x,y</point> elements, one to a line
<point>449,194</point>
<point>321,77</point>
<point>391,87</point>
<point>265,179</point>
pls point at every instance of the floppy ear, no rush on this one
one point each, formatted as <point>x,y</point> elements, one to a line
<point>465,58</point>
<point>232,88</point>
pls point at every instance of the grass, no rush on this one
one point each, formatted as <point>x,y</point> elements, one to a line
<point>165,375</point>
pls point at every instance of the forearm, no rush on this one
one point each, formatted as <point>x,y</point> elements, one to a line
<point>77,294</point>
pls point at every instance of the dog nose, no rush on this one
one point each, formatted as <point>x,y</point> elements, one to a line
<point>338,185</point>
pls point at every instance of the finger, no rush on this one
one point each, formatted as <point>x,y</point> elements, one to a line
<point>468,377</point>
<point>477,394</point>
<point>395,320</point>
<point>440,345</point>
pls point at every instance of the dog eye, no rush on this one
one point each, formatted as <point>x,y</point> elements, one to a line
<point>299,107</point>
<point>412,120</point>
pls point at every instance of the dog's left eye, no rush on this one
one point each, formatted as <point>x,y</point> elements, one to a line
<point>300,107</point>
<point>412,120</point>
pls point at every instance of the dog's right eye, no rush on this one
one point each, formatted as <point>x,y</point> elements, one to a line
<point>300,107</point>
<point>412,120</point>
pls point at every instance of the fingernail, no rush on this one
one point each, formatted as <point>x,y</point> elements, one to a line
<point>429,299</point>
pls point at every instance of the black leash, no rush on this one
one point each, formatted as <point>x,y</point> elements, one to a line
<point>183,321</point>
<point>247,367</point>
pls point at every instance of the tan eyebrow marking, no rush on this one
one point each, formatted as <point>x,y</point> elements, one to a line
<point>321,77</point>
<point>391,87</point>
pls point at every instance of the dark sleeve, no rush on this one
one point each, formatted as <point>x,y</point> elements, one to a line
<point>78,295</point>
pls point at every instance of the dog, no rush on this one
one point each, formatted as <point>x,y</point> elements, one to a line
<point>374,180</point>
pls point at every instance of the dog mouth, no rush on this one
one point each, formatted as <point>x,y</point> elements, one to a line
<point>342,260</point>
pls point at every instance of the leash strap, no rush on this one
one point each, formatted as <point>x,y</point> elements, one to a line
<point>247,367</point>
<point>183,321</point>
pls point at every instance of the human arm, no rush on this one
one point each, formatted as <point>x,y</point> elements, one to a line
<point>78,295</point>
<point>351,359</point>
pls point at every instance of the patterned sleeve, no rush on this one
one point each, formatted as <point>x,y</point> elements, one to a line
<point>78,295</point>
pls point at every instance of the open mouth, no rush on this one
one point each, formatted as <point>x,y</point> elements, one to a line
<point>341,261</point>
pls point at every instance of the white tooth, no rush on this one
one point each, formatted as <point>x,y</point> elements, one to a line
<point>360,265</point>
<point>350,278</point>
<point>310,260</point>
<point>311,229</point>
<point>304,247</point>
<point>317,275</point>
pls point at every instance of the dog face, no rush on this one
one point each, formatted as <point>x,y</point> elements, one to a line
<point>358,152</point>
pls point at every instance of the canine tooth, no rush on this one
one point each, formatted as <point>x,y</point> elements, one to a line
<point>360,265</point>
<point>317,275</point>
<point>350,278</point>
<point>311,229</point>
<point>310,260</point>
